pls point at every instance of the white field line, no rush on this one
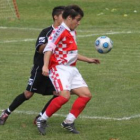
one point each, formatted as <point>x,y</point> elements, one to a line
<point>34,29</point>
<point>82,116</point>
<point>19,40</point>
<point>39,29</point>
<point>18,28</point>
<point>107,33</point>
<point>84,30</point>
<point>79,36</point>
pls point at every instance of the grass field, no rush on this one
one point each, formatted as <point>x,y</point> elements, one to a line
<point>114,111</point>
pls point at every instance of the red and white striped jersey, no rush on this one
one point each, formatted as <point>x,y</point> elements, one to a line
<point>62,43</point>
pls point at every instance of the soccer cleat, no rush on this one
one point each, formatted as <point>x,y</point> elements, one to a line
<point>69,127</point>
<point>41,125</point>
<point>3,118</point>
<point>36,119</point>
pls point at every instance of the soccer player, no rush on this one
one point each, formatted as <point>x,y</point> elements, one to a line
<point>60,56</point>
<point>37,82</point>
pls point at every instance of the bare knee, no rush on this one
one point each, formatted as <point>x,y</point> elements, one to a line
<point>82,92</point>
<point>65,94</point>
<point>87,94</point>
<point>28,94</point>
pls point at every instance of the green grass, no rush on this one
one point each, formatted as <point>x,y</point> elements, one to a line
<point>114,83</point>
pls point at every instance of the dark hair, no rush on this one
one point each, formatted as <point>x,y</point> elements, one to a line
<point>57,11</point>
<point>73,11</point>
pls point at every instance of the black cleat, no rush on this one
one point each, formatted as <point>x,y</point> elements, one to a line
<point>36,119</point>
<point>3,118</point>
<point>41,125</point>
<point>69,127</point>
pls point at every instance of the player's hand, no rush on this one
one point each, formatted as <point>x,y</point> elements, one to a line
<point>45,71</point>
<point>94,60</point>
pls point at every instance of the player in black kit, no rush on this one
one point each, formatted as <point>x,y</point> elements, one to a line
<point>37,82</point>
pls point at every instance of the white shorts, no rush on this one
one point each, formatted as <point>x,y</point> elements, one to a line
<point>66,78</point>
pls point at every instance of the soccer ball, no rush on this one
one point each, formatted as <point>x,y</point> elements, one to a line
<point>103,44</point>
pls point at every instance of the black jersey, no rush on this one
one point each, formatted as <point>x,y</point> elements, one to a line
<point>42,39</point>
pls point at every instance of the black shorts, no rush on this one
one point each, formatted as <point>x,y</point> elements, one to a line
<point>39,84</point>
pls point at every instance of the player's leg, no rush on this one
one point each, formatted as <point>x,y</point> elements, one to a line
<point>44,109</point>
<point>60,77</point>
<point>80,88</point>
<point>19,100</point>
<point>62,85</point>
<point>45,87</point>
<point>57,103</point>
<point>16,102</point>
<point>22,97</point>
<point>47,104</point>
<point>54,106</point>
<point>78,106</point>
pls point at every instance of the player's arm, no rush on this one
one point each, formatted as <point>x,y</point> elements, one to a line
<point>49,48</point>
<point>45,69</point>
<point>41,48</point>
<point>87,59</point>
<point>41,41</point>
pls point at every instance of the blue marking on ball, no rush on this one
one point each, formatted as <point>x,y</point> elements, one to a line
<point>103,36</point>
<point>100,51</point>
<point>97,42</point>
<point>105,45</point>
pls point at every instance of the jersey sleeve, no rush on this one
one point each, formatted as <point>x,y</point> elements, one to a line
<point>42,39</point>
<point>54,38</point>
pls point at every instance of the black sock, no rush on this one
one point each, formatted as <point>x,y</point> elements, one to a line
<point>17,101</point>
<point>47,104</point>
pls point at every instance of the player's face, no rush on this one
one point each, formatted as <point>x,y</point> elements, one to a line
<point>75,22</point>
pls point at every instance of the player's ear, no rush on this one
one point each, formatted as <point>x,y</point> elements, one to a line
<point>55,17</point>
<point>69,17</point>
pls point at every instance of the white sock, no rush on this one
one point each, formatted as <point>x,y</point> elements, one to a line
<point>40,114</point>
<point>44,116</point>
<point>8,110</point>
<point>70,118</point>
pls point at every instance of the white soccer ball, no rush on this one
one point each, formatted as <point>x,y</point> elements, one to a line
<point>103,44</point>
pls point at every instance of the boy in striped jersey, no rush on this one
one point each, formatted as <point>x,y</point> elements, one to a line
<point>61,55</point>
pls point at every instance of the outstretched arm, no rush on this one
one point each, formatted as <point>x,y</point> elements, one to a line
<point>88,60</point>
